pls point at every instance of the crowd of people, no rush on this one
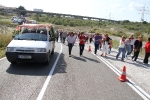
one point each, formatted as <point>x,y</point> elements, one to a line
<point>127,45</point>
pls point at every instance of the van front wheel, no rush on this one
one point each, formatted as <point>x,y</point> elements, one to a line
<point>13,62</point>
<point>52,51</point>
<point>48,59</point>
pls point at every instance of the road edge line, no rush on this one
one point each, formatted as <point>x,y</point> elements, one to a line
<point>139,89</point>
<point>135,87</point>
<point>41,94</point>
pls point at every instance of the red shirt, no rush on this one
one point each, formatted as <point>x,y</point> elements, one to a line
<point>82,39</point>
<point>147,47</point>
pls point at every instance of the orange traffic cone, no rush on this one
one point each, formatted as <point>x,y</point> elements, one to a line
<point>89,49</point>
<point>122,78</point>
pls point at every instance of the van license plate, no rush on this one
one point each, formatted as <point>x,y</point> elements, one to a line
<point>24,56</point>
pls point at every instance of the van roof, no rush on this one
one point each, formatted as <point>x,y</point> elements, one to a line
<point>37,26</point>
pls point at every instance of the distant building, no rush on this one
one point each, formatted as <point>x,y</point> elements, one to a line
<point>39,10</point>
<point>7,9</point>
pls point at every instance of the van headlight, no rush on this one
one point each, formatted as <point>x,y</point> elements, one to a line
<point>41,50</point>
<point>10,49</point>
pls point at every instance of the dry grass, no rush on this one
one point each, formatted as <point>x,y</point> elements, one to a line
<point>2,52</point>
<point>5,38</point>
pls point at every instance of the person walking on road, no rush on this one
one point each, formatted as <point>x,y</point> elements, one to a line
<point>137,48</point>
<point>106,43</point>
<point>147,51</point>
<point>127,47</point>
<point>75,36</point>
<point>97,39</point>
<point>71,41</point>
<point>121,48</point>
<point>82,40</point>
<point>91,37</point>
<point>132,43</point>
<point>57,35</point>
<point>64,35</point>
<point>110,46</point>
<point>61,36</point>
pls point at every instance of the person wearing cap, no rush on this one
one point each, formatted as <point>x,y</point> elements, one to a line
<point>82,40</point>
<point>137,48</point>
<point>147,51</point>
<point>71,41</point>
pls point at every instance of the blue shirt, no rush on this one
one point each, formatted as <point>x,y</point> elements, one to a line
<point>97,39</point>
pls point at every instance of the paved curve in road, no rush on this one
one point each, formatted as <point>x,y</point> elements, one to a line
<point>74,78</point>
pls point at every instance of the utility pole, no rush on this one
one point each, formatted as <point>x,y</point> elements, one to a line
<point>143,11</point>
<point>110,16</point>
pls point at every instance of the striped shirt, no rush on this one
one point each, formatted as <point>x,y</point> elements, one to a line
<point>71,39</point>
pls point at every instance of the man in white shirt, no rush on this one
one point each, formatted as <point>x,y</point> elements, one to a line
<point>71,41</point>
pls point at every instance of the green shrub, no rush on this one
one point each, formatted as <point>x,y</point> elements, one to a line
<point>115,44</point>
<point>5,39</point>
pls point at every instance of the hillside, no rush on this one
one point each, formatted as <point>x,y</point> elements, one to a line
<point>115,30</point>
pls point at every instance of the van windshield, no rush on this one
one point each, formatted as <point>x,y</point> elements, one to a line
<point>31,36</point>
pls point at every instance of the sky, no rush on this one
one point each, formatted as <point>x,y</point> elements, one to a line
<point>108,9</point>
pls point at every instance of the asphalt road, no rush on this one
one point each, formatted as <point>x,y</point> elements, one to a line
<point>74,78</point>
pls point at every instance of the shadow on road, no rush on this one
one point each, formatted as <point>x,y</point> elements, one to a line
<point>79,58</point>
<point>61,65</point>
<point>37,69</point>
<point>91,59</point>
<point>137,63</point>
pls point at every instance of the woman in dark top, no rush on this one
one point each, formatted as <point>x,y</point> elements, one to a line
<point>137,48</point>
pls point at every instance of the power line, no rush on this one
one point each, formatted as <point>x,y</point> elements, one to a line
<point>143,11</point>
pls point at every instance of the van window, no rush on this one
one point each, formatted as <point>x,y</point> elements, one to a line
<point>31,36</point>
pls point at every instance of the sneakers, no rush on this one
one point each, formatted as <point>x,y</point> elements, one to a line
<point>134,61</point>
<point>145,63</point>
<point>127,58</point>
<point>122,60</point>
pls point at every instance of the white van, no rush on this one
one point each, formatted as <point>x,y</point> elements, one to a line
<point>32,21</point>
<point>34,43</point>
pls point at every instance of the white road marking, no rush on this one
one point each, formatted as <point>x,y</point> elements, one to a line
<point>40,96</point>
<point>136,88</point>
<point>3,58</point>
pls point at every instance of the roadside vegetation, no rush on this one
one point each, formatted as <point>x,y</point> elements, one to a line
<point>125,27</point>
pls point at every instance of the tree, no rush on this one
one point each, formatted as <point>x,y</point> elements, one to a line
<point>22,8</point>
<point>144,22</point>
<point>126,21</point>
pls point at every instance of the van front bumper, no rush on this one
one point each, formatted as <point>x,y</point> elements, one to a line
<point>26,57</point>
